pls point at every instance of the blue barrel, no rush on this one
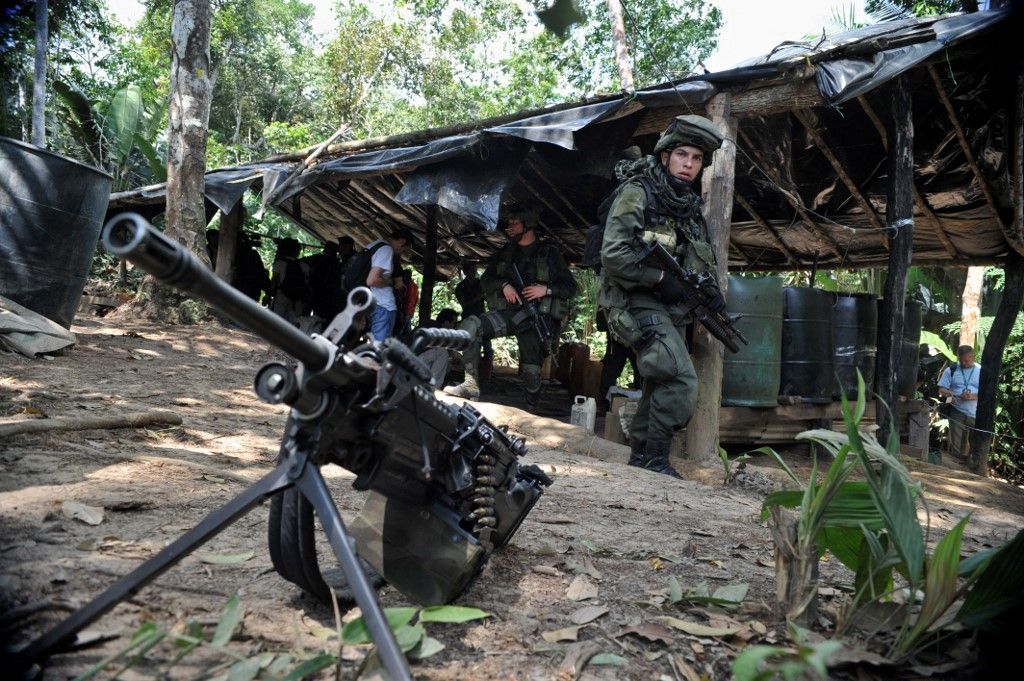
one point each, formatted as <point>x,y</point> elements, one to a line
<point>750,377</point>
<point>807,364</point>
<point>51,212</point>
<point>854,342</point>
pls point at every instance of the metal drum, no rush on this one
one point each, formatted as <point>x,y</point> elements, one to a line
<point>51,212</point>
<point>854,342</point>
<point>906,377</point>
<point>751,376</point>
<point>807,366</point>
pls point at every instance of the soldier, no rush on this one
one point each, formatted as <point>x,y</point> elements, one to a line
<point>548,284</point>
<point>644,307</point>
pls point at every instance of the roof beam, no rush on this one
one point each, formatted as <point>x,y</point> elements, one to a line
<point>793,199</point>
<point>919,200</point>
<point>558,214</point>
<point>1013,242</point>
<point>804,116</point>
<point>745,205</point>
<point>584,223</point>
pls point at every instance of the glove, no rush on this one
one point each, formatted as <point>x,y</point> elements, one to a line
<point>717,303</point>
<point>671,290</point>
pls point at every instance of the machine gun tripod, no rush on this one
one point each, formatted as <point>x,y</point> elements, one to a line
<point>445,485</point>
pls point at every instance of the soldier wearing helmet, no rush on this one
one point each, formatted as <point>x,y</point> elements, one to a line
<point>656,202</point>
<point>548,284</point>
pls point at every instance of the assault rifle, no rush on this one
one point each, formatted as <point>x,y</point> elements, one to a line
<point>537,320</point>
<point>700,291</point>
<point>444,485</point>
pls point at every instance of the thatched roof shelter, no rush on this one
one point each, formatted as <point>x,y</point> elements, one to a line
<point>811,157</point>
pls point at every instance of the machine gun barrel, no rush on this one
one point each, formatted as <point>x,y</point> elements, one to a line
<point>129,235</point>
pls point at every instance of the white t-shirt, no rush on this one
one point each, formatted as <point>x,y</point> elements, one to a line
<point>383,258</point>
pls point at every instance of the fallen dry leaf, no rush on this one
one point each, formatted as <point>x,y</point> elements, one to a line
<point>697,648</point>
<point>581,589</point>
<point>546,570</point>
<point>683,669</point>
<point>563,634</point>
<point>695,629</point>
<point>649,631</point>
<point>759,628</point>
<point>90,515</point>
<point>588,613</point>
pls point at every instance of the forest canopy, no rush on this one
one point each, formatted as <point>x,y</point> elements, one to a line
<point>283,82</point>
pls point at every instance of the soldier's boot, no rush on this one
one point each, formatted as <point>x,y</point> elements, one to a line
<point>637,453</point>
<point>469,389</point>
<point>656,458</point>
<point>532,386</point>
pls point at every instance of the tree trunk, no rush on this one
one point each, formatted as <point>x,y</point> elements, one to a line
<point>39,86</point>
<point>971,305</point>
<point>189,115</point>
<point>719,181</point>
<point>900,219</point>
<point>621,50</point>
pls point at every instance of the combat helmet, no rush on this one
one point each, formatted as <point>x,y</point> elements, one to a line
<point>694,131</point>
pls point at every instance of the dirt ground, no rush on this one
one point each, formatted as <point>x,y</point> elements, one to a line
<point>604,528</point>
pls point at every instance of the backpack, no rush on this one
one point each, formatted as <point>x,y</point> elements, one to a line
<point>358,267</point>
<point>294,283</point>
<point>593,239</point>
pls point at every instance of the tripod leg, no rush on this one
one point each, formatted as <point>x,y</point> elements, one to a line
<point>313,487</point>
<point>64,633</point>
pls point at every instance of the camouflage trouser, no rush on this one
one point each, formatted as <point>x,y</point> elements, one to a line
<point>666,372</point>
<point>499,323</point>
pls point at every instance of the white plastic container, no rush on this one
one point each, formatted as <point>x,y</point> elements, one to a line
<point>584,412</point>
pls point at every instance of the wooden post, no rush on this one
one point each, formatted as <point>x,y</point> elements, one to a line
<point>1009,306</point>
<point>227,242</point>
<point>429,264</point>
<point>992,362</point>
<point>719,181</point>
<point>899,215</point>
<point>619,41</point>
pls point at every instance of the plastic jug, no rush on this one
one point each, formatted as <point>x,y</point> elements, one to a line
<point>584,412</point>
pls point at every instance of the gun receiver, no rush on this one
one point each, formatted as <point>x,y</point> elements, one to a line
<point>537,320</point>
<point>445,486</point>
<point>701,290</point>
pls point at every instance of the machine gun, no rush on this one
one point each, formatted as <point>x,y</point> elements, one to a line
<point>445,486</point>
<point>700,291</point>
<point>537,320</point>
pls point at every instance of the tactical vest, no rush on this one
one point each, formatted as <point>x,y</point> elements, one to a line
<point>537,271</point>
<point>683,236</point>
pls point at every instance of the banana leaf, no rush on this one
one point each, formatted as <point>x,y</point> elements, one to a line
<point>124,116</point>
<point>999,589</point>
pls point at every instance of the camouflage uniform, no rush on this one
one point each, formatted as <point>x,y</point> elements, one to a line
<point>629,290</point>
<point>538,263</point>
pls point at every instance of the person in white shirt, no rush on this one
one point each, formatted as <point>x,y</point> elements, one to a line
<point>381,283</point>
<point>959,385</point>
